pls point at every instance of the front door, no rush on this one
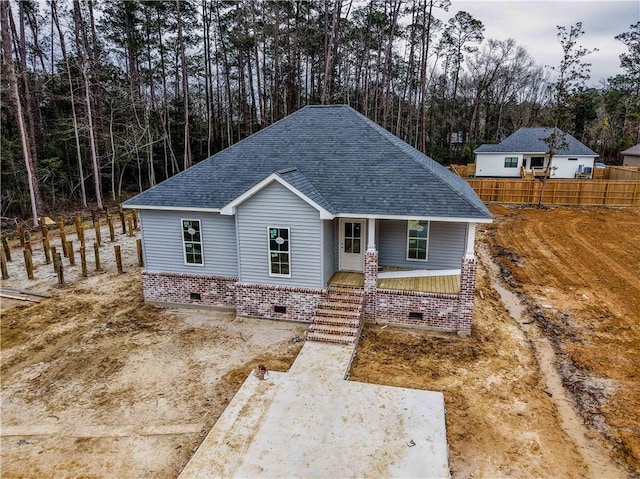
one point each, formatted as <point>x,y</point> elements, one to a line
<point>352,244</point>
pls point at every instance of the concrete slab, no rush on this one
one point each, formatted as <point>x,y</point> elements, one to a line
<point>309,422</point>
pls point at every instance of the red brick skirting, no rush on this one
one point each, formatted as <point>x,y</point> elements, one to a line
<point>262,301</point>
<point>183,288</point>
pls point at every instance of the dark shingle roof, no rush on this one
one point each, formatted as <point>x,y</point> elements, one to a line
<point>339,158</point>
<point>633,151</point>
<point>529,140</point>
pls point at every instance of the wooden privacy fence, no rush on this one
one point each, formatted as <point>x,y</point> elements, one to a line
<point>558,192</point>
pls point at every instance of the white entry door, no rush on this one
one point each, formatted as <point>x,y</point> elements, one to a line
<point>352,244</point>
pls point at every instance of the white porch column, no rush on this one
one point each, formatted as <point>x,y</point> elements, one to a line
<point>471,239</point>
<point>371,234</point>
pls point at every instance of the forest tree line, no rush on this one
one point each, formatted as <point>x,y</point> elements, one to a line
<point>105,98</point>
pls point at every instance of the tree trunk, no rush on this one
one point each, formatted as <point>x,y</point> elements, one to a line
<point>185,89</point>
<point>34,192</point>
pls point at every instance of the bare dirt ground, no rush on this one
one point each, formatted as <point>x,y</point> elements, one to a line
<point>97,384</point>
<point>577,271</point>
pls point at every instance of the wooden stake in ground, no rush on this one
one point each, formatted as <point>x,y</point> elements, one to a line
<point>59,269</point>
<point>45,247</point>
<point>139,248</point>
<point>116,249</point>
<point>107,215</point>
<point>3,265</point>
<point>54,257</point>
<point>82,235</point>
<point>28,262</point>
<point>96,226</point>
<point>83,261</point>
<point>63,235</point>
<point>96,254</point>
<point>130,225</point>
<point>5,247</point>
<point>134,213</point>
<point>70,255</point>
<point>93,215</point>
<point>122,220</point>
<point>21,235</point>
<point>45,230</point>
<point>27,240</point>
<point>78,222</point>
<point>112,234</point>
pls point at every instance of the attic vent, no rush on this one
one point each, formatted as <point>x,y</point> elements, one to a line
<point>288,170</point>
<point>279,309</point>
<point>195,296</point>
<point>415,315</point>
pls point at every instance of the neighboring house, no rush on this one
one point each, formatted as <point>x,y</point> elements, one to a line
<point>524,154</point>
<point>280,224</point>
<point>631,157</point>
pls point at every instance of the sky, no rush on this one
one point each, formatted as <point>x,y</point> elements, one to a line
<point>532,24</point>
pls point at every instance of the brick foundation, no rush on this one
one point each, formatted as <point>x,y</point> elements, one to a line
<point>260,300</point>
<point>177,288</point>
<point>441,312</point>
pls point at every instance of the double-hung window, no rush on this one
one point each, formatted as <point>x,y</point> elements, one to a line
<point>192,242</point>
<point>511,162</point>
<point>279,252</point>
<point>417,240</point>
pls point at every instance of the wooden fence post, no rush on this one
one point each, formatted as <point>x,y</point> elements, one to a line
<point>5,247</point>
<point>122,220</point>
<point>45,247</point>
<point>63,235</point>
<point>21,235</point>
<point>139,248</point>
<point>82,242</point>
<point>134,213</point>
<point>130,225</point>
<point>59,269</point>
<point>96,253</point>
<point>116,249</point>
<point>83,261</point>
<point>54,258</point>
<point>28,262</point>
<point>70,254</point>
<point>96,227</point>
<point>112,235</point>
<point>45,230</point>
<point>27,240</point>
<point>78,223</point>
<point>93,215</point>
<point>3,265</point>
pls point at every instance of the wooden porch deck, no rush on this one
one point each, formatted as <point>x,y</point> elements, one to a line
<point>449,284</point>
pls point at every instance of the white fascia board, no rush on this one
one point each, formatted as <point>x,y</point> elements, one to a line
<point>171,208</point>
<point>230,208</point>
<point>448,219</point>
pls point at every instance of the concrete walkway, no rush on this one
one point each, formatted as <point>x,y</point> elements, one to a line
<point>310,422</point>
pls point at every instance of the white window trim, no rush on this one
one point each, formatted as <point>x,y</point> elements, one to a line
<point>184,249</point>
<point>276,275</point>
<point>428,242</point>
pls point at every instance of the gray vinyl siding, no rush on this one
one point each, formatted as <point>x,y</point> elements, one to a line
<point>329,253</point>
<point>446,245</point>
<point>163,246</point>
<point>278,207</point>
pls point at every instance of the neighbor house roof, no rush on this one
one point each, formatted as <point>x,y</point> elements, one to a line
<point>530,140</point>
<point>344,162</point>
<point>633,151</point>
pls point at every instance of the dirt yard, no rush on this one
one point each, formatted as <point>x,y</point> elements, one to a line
<point>97,384</point>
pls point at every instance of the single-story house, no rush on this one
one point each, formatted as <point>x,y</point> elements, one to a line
<point>324,217</point>
<point>524,154</point>
<point>631,156</point>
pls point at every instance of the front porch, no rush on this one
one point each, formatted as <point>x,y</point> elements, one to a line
<point>438,283</point>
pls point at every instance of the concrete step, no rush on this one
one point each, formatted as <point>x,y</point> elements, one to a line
<point>334,321</point>
<point>331,338</point>
<point>337,313</point>
<point>333,329</point>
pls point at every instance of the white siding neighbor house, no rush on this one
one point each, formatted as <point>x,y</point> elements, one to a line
<point>323,217</point>
<point>524,153</point>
